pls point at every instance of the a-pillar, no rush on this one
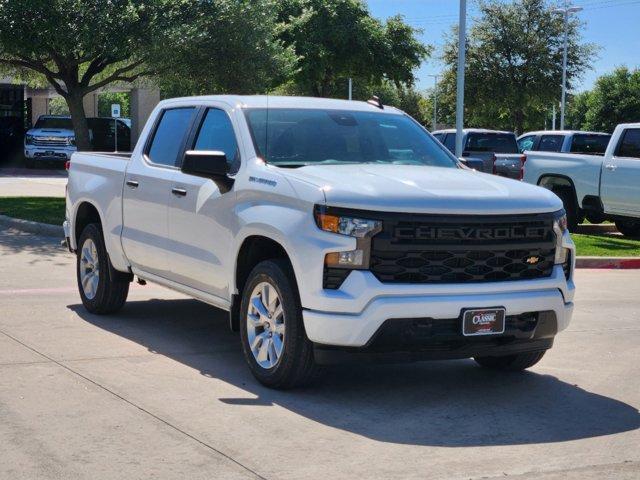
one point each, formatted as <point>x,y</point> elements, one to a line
<point>143,101</point>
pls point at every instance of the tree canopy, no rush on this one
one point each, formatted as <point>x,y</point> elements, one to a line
<point>514,64</point>
<point>614,99</point>
<point>339,39</point>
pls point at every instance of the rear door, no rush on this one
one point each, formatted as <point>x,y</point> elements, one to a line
<point>147,190</point>
<point>550,143</point>
<point>200,209</point>
<point>620,183</point>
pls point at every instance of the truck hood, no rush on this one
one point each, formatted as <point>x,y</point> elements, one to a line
<point>50,132</point>
<point>422,189</point>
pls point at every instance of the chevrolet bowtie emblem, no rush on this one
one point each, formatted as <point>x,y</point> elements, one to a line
<point>533,260</point>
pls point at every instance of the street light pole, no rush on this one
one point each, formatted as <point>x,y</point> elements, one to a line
<point>435,101</point>
<point>565,12</point>
<point>462,44</point>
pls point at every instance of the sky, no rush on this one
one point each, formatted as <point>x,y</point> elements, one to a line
<point>614,25</point>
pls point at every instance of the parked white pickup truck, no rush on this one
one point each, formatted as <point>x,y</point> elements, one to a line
<point>330,230</point>
<point>594,186</point>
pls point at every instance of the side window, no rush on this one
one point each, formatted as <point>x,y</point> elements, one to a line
<point>438,137</point>
<point>629,144</point>
<point>216,133</point>
<point>450,142</point>
<point>169,135</point>
<point>526,143</point>
<point>551,143</point>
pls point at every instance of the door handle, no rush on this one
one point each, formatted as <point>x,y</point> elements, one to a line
<point>132,183</point>
<point>610,166</point>
<point>180,192</point>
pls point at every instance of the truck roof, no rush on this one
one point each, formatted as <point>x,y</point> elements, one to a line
<point>268,101</point>
<point>562,132</point>
<point>471,130</point>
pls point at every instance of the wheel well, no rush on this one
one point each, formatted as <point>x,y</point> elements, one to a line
<point>254,250</point>
<point>559,182</point>
<point>85,215</point>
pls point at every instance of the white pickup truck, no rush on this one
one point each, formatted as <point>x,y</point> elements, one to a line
<point>596,187</point>
<point>330,230</point>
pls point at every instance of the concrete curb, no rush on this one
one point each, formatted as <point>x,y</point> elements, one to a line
<point>28,226</point>
<point>608,262</point>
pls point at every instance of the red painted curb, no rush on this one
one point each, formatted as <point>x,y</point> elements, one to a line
<point>622,263</point>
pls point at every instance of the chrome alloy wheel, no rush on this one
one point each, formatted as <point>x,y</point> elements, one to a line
<point>89,268</point>
<point>265,325</point>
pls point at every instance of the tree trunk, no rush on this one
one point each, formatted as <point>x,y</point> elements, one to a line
<point>79,120</point>
<point>518,121</point>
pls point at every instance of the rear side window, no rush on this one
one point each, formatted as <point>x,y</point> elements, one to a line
<point>630,144</point>
<point>526,143</point>
<point>169,136</point>
<point>551,143</point>
<point>589,144</point>
<point>450,142</point>
<point>438,136</point>
<point>492,142</point>
<point>216,133</point>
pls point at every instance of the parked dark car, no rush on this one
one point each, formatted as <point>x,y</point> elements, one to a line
<point>103,138</point>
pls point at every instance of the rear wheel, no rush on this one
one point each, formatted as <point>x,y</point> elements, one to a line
<point>595,217</point>
<point>102,289</point>
<point>274,342</point>
<point>514,363</point>
<point>629,227</point>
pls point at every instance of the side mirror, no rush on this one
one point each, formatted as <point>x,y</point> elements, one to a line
<point>205,163</point>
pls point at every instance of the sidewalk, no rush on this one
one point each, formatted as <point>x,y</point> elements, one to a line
<point>22,182</point>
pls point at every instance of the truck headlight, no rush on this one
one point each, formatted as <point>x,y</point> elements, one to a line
<point>360,228</point>
<point>559,227</point>
<point>28,139</point>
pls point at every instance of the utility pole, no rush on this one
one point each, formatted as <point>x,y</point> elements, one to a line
<point>350,88</point>
<point>553,121</point>
<point>565,12</point>
<point>435,101</point>
<point>462,44</point>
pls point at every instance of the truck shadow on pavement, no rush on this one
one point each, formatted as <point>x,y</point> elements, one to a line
<point>450,404</point>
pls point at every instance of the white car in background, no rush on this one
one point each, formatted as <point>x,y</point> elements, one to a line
<point>51,139</point>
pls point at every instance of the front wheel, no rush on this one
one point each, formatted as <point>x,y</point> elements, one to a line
<point>629,227</point>
<point>274,342</point>
<point>102,289</point>
<point>514,363</point>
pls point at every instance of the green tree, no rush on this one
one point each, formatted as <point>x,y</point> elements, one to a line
<point>220,47</point>
<point>614,99</point>
<point>514,64</point>
<point>78,46</point>
<point>577,107</point>
<point>339,39</point>
<point>106,99</point>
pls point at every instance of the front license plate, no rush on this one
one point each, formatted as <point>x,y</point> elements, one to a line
<point>487,321</point>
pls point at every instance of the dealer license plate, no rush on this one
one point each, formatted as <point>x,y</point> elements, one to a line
<point>486,321</point>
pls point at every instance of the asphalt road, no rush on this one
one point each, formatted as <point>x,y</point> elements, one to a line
<point>160,391</point>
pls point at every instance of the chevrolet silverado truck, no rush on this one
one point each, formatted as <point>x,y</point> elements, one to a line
<point>51,139</point>
<point>330,230</point>
<point>593,186</point>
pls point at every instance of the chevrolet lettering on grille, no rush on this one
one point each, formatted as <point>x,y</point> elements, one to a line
<point>470,233</point>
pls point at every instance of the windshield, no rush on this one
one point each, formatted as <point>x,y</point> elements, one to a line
<point>589,144</point>
<point>54,122</point>
<point>298,137</point>
<point>492,142</point>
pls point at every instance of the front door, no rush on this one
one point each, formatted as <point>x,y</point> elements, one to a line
<point>201,212</point>
<point>147,190</point>
<point>620,187</point>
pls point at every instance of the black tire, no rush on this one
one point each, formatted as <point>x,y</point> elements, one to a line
<point>629,227</point>
<point>574,216</point>
<point>296,365</point>
<point>29,163</point>
<point>595,217</point>
<point>513,363</point>
<point>113,286</point>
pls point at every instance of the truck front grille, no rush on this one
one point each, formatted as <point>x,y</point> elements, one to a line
<point>465,248</point>
<point>50,141</point>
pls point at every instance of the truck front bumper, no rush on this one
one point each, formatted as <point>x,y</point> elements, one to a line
<point>61,154</point>
<point>439,308</point>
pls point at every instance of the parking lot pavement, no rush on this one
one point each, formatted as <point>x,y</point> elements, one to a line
<point>161,390</point>
<point>22,182</point>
